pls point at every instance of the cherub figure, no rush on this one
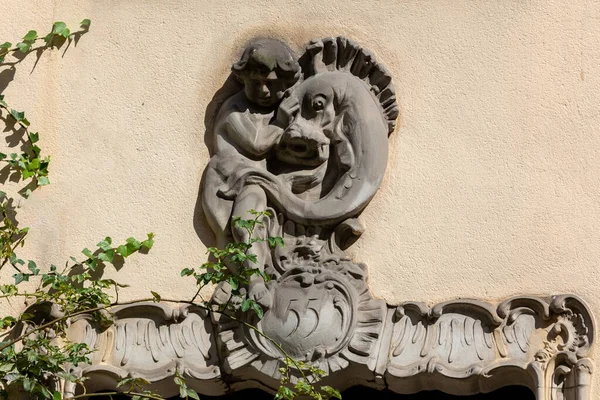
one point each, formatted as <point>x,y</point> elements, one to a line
<point>245,133</point>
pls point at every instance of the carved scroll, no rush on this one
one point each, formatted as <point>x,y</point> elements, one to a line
<point>461,347</point>
<point>467,347</point>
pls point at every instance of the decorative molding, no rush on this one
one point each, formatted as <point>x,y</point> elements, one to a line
<point>467,346</point>
<point>307,139</point>
<point>461,347</point>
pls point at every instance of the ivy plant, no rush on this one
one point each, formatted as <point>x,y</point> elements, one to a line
<point>34,346</point>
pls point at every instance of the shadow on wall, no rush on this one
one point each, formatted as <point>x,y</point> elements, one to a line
<point>359,393</point>
<point>229,88</point>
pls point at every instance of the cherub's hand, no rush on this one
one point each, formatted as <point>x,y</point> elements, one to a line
<point>260,293</point>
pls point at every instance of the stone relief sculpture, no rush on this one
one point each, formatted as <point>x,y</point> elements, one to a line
<point>307,139</point>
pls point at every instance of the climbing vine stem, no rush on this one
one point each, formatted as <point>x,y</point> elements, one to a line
<point>35,347</point>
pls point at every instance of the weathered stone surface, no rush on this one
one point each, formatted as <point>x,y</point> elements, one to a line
<point>468,346</point>
<point>150,341</point>
<point>460,347</point>
<point>306,139</point>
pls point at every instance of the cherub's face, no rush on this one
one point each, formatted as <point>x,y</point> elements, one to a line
<point>264,91</point>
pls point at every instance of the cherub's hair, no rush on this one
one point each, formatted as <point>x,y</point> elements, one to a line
<point>265,56</point>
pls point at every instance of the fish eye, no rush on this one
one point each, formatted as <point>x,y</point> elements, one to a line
<point>318,102</point>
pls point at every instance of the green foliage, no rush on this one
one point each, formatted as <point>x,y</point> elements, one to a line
<point>4,49</point>
<point>307,386</point>
<point>73,291</point>
<point>184,391</point>
<point>235,265</point>
<point>59,30</point>
<point>134,387</point>
<point>30,163</point>
<point>28,41</point>
<point>39,357</point>
<point>34,347</point>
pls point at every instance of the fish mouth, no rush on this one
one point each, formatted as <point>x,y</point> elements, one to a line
<point>297,152</point>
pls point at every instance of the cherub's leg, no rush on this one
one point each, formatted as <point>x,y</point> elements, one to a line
<point>216,209</point>
<point>252,197</point>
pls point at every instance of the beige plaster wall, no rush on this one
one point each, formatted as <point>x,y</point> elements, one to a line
<point>492,187</point>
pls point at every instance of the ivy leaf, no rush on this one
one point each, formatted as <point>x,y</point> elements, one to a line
<point>27,384</point>
<point>192,394</point>
<point>285,392</point>
<point>27,316</point>
<point>303,387</point>
<point>34,165</point>
<point>36,150</point>
<point>88,253</point>
<point>257,309</point>
<point>21,278</point>
<point>31,36</point>
<point>23,47</point>
<point>60,29</point>
<point>7,322</point>
<point>33,267</point>
<point>148,243</point>
<point>43,181</point>
<point>331,392</point>
<point>27,174</point>
<point>275,241</point>
<point>105,244</point>
<point>5,46</point>
<point>155,297</point>
<point>9,290</point>
<point>246,305</point>
<point>7,367</point>
<point>2,156</point>
<point>186,272</point>
<point>123,251</point>
<point>183,392</point>
<point>92,264</point>
<point>107,256</point>
<point>125,381</point>
<point>85,23</point>
<point>2,102</point>
<point>14,260</point>
<point>56,396</point>
<point>17,115</point>
<point>263,275</point>
<point>136,244</point>
<point>34,136</point>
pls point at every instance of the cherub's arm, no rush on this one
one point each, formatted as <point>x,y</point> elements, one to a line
<point>256,140</point>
